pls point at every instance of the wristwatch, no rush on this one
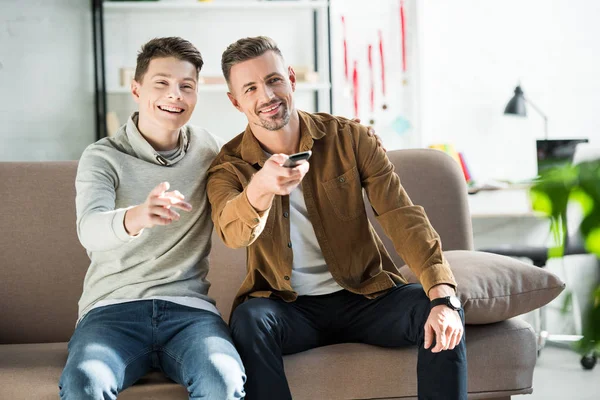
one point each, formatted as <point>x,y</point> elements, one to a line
<point>451,301</point>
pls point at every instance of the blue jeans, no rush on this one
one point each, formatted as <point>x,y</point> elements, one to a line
<point>264,329</point>
<point>114,346</point>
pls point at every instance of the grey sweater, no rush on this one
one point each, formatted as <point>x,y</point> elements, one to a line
<point>117,173</point>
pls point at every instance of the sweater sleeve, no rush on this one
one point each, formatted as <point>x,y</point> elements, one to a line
<point>100,227</point>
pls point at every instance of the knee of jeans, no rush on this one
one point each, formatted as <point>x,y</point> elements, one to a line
<point>89,380</point>
<point>222,378</point>
<point>250,318</point>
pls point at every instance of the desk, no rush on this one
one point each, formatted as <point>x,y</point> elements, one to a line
<point>505,217</point>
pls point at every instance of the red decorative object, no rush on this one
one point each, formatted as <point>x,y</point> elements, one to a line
<point>346,74</point>
<point>355,85</point>
<point>403,31</point>
<point>382,62</point>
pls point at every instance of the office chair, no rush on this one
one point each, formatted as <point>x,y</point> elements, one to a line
<point>539,257</point>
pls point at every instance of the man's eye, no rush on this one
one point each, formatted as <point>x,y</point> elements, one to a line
<point>187,87</point>
<point>250,89</point>
<point>161,83</point>
<point>275,80</point>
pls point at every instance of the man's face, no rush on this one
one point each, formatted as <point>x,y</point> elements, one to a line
<point>167,94</point>
<point>262,88</point>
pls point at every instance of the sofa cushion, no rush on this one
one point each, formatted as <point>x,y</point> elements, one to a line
<point>493,288</point>
<point>32,371</point>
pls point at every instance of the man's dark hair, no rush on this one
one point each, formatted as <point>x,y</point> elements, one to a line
<point>167,47</point>
<point>246,49</point>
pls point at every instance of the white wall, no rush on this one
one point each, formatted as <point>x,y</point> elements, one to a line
<point>474,52</point>
<point>211,31</point>
<point>46,79</point>
<point>467,57</point>
<point>363,24</point>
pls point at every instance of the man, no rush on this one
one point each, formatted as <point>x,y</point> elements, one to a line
<point>144,303</point>
<point>317,272</point>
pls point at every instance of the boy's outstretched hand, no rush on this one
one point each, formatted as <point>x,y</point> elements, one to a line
<point>156,210</point>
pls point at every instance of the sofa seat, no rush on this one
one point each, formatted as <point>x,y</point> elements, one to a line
<point>31,371</point>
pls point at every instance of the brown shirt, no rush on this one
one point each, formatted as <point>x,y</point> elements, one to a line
<point>345,161</point>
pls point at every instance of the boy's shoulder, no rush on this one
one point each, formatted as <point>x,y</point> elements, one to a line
<point>202,138</point>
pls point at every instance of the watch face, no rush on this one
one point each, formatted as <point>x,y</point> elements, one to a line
<point>455,302</point>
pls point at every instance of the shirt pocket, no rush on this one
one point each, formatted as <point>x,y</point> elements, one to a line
<point>344,192</point>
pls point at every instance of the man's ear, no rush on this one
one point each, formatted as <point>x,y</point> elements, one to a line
<point>292,77</point>
<point>233,101</point>
<point>135,91</point>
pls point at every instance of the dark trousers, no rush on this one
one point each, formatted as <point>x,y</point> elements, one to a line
<point>266,329</point>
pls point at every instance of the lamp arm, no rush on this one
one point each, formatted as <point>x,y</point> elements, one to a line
<point>544,116</point>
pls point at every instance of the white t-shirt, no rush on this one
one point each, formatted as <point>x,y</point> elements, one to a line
<point>310,275</point>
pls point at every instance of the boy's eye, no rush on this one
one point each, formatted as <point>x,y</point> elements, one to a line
<point>161,83</point>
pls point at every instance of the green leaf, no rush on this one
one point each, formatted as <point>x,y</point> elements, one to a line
<point>592,242</point>
<point>541,202</point>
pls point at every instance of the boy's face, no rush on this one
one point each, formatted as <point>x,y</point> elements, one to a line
<point>167,93</point>
<point>262,88</point>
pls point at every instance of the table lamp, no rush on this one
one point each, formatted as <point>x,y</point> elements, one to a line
<point>516,106</point>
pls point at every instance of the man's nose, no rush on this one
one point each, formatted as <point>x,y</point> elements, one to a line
<point>267,94</point>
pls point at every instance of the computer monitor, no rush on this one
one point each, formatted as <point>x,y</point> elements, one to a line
<point>555,152</point>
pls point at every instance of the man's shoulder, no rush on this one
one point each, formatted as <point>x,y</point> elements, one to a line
<point>330,124</point>
<point>229,155</point>
<point>233,148</point>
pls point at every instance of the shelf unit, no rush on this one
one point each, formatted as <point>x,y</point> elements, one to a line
<point>320,24</point>
<point>222,88</point>
<point>223,4</point>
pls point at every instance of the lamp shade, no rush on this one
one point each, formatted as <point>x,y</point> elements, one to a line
<point>516,105</point>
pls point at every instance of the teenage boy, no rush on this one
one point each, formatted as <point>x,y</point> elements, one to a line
<point>145,302</point>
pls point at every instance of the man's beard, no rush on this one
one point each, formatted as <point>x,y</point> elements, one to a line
<point>276,122</point>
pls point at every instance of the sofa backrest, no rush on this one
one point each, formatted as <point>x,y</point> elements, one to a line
<point>42,264</point>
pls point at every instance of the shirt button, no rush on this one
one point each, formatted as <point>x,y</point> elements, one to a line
<point>256,220</point>
<point>286,214</point>
<point>287,278</point>
<point>342,179</point>
<point>290,245</point>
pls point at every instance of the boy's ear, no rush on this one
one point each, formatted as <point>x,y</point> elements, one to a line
<point>233,101</point>
<point>135,90</point>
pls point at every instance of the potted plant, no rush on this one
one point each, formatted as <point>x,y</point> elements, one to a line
<point>551,194</point>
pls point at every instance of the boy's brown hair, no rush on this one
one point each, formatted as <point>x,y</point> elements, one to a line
<point>167,47</point>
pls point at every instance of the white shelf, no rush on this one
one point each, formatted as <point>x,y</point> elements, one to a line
<point>215,5</point>
<point>222,88</point>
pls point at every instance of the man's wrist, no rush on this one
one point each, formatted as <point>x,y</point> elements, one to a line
<point>257,198</point>
<point>451,302</point>
<point>441,290</point>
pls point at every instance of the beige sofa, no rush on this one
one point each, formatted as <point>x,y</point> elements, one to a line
<point>42,266</point>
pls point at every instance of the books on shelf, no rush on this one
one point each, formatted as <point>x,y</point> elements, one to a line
<point>457,156</point>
